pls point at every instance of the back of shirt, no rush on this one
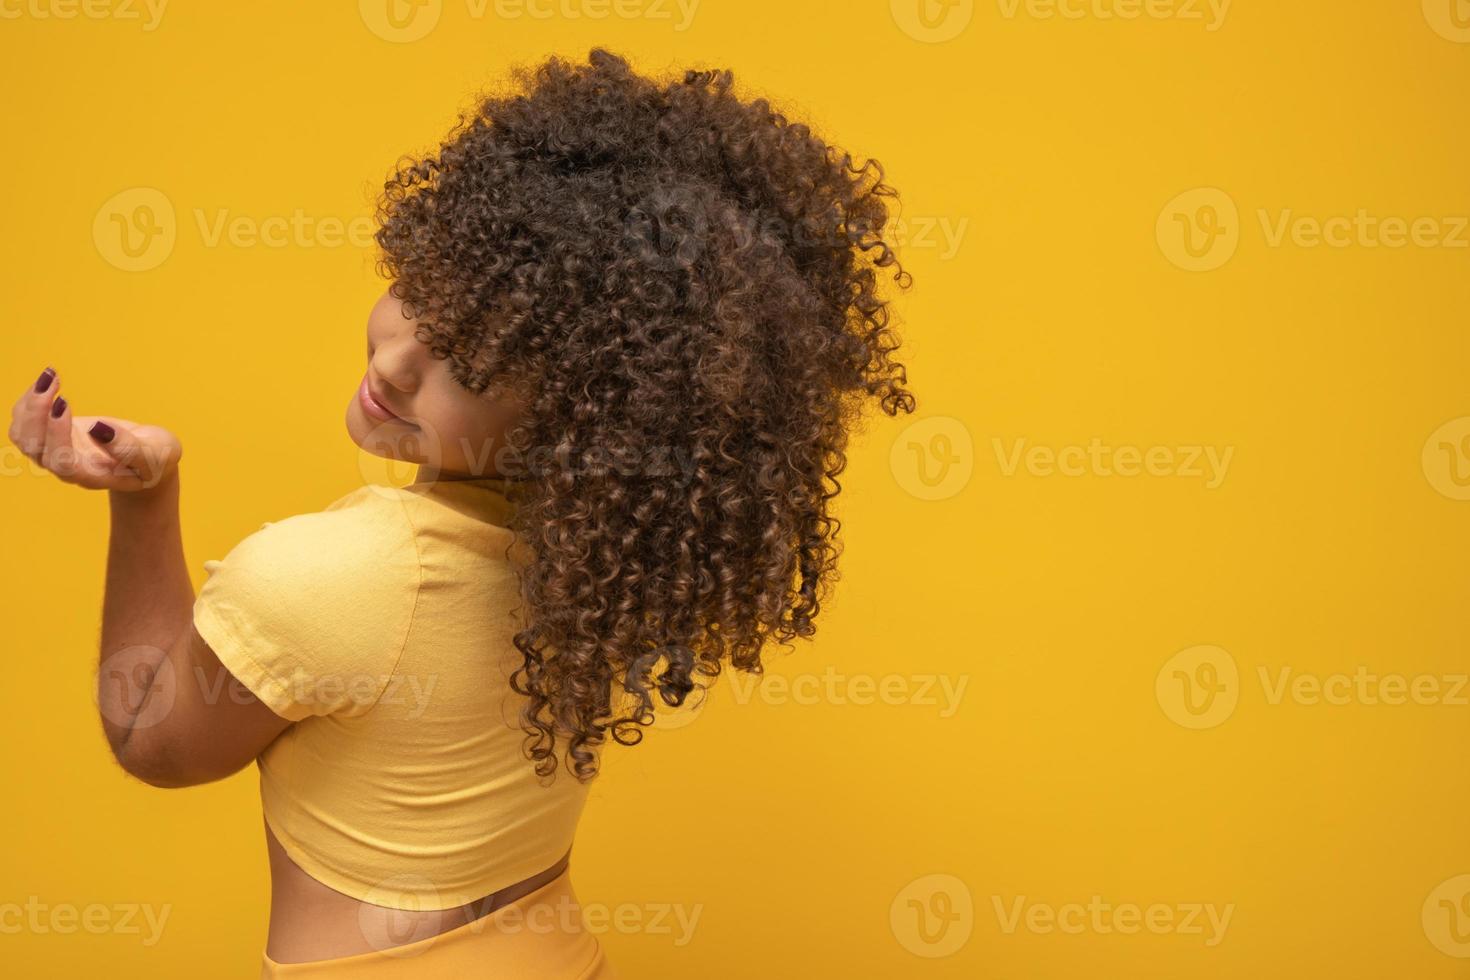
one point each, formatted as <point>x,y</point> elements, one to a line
<point>382,626</point>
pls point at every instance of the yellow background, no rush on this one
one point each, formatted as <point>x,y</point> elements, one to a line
<point>1051,148</point>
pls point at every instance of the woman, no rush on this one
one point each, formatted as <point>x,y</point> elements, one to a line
<point>628,329</point>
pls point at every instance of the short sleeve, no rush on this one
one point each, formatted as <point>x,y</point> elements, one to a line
<point>311,613</point>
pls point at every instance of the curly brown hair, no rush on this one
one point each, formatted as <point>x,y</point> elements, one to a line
<point>684,287</point>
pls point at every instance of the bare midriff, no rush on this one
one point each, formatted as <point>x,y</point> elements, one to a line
<point>310,921</point>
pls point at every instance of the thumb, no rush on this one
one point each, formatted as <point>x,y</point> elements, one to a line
<point>133,456</point>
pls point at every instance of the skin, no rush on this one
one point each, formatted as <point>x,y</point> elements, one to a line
<point>450,431</point>
<point>169,730</point>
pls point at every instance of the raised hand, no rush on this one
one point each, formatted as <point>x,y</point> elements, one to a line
<point>94,451</point>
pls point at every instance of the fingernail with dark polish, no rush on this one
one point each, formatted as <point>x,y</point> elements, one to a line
<point>57,407</point>
<point>101,431</point>
<point>44,381</point>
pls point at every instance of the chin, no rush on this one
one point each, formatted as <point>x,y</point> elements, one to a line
<point>388,440</point>
<point>357,426</point>
<point>368,436</point>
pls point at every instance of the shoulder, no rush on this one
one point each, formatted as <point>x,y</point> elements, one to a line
<point>366,534</point>
<point>309,600</point>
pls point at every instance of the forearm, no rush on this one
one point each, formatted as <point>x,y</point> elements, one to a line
<point>147,607</point>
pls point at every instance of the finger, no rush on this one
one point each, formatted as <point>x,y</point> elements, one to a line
<point>59,455</point>
<point>95,469</point>
<point>28,416</point>
<point>133,460</point>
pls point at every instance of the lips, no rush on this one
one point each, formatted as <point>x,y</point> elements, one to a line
<point>372,406</point>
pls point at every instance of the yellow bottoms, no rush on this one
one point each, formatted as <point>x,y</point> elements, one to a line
<point>540,936</point>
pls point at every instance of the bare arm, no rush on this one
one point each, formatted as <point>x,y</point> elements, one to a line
<point>147,605</point>
<point>172,713</point>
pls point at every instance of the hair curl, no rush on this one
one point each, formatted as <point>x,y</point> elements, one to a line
<point>685,287</point>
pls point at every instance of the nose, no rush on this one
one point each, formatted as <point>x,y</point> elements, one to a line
<point>394,352</point>
<point>397,362</point>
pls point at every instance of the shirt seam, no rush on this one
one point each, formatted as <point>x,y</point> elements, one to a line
<point>418,591</point>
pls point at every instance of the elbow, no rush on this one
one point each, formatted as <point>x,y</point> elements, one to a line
<point>161,779</point>
<point>148,770</point>
<point>160,768</point>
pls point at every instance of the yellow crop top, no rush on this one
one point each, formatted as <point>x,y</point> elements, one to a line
<point>382,627</point>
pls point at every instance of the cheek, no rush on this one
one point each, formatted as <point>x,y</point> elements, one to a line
<point>449,426</point>
<point>468,428</point>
